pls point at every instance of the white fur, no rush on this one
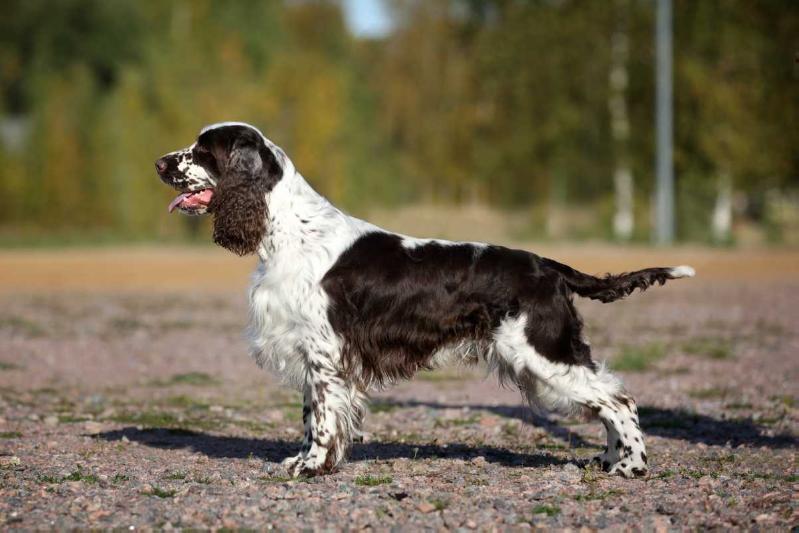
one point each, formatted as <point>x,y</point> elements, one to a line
<point>683,271</point>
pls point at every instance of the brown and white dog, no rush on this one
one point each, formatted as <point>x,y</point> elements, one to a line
<point>339,306</point>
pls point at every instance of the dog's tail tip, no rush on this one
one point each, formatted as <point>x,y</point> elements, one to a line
<point>682,271</point>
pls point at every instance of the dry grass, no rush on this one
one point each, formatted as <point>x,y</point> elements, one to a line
<point>180,268</point>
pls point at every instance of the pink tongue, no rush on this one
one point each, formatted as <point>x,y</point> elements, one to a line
<point>191,199</point>
<point>178,200</point>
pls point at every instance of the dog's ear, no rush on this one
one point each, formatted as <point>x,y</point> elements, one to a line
<point>239,201</point>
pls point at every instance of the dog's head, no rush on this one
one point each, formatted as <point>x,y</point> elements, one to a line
<point>228,172</point>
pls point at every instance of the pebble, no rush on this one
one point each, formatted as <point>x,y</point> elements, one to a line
<point>12,460</point>
<point>51,420</point>
<point>426,507</point>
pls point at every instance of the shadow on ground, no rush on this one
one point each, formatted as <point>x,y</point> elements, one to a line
<point>273,450</point>
<point>669,423</point>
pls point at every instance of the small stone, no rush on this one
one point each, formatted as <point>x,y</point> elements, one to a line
<point>471,524</point>
<point>124,439</point>
<point>216,408</point>
<point>12,460</point>
<point>426,507</point>
<point>93,427</point>
<point>51,420</point>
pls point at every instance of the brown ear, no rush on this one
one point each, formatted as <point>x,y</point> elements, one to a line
<point>239,200</point>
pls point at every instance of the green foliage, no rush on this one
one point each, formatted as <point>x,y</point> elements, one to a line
<point>710,347</point>
<point>163,493</point>
<point>373,481</point>
<point>189,378</point>
<point>549,510</point>
<point>638,358</point>
<point>480,101</point>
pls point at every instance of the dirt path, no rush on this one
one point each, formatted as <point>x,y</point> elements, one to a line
<point>135,404</point>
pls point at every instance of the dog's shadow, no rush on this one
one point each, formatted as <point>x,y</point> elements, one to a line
<point>275,450</point>
<point>670,423</point>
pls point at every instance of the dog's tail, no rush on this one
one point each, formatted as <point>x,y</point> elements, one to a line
<point>615,287</point>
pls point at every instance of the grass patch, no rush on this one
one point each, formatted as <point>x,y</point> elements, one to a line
<point>373,481</point>
<point>710,347</point>
<point>77,475</point>
<point>9,366</point>
<point>383,407</point>
<point>189,378</point>
<point>600,495</point>
<point>21,325</point>
<point>163,493</point>
<point>718,459</point>
<point>73,419</point>
<point>126,325</point>
<point>185,402</point>
<point>439,504</point>
<point>549,510</point>
<point>10,434</point>
<point>147,419</point>
<point>253,425</point>
<point>456,422</point>
<point>276,479</point>
<point>176,476</point>
<point>120,478</point>
<point>666,474</point>
<point>638,358</point>
<point>547,446</point>
<point>708,394</point>
<point>786,399</point>
<point>180,426</point>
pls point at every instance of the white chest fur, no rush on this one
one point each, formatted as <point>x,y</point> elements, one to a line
<point>288,306</point>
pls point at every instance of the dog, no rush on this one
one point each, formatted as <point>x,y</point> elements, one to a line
<point>338,306</point>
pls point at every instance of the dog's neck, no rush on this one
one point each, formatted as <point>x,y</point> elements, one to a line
<point>298,218</point>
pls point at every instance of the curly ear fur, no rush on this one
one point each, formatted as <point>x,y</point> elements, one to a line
<point>239,200</point>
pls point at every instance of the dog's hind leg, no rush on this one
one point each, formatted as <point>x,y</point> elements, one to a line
<point>566,388</point>
<point>332,414</point>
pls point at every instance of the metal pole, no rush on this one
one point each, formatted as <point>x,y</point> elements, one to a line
<point>664,204</point>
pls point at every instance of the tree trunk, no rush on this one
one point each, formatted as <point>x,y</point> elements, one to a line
<point>722,211</point>
<point>623,221</point>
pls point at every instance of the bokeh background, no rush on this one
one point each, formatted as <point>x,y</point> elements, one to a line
<point>127,396</point>
<point>534,117</point>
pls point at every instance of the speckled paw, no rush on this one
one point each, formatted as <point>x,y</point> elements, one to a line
<point>293,465</point>
<point>628,469</point>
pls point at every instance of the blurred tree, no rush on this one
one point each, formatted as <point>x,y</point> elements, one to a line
<point>534,105</point>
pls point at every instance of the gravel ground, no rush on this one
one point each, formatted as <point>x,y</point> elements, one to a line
<point>144,410</point>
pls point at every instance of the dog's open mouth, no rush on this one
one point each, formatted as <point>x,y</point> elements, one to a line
<point>192,201</point>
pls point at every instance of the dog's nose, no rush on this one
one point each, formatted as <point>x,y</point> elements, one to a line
<point>160,166</point>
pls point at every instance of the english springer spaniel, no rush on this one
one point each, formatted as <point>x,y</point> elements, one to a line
<point>339,306</point>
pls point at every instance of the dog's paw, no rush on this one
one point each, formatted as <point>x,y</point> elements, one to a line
<point>306,466</point>
<point>623,467</point>
<point>292,465</point>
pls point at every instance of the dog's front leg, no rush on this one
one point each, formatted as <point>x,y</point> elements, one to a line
<point>332,412</point>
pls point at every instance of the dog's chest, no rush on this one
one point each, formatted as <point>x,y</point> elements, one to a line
<point>288,316</point>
